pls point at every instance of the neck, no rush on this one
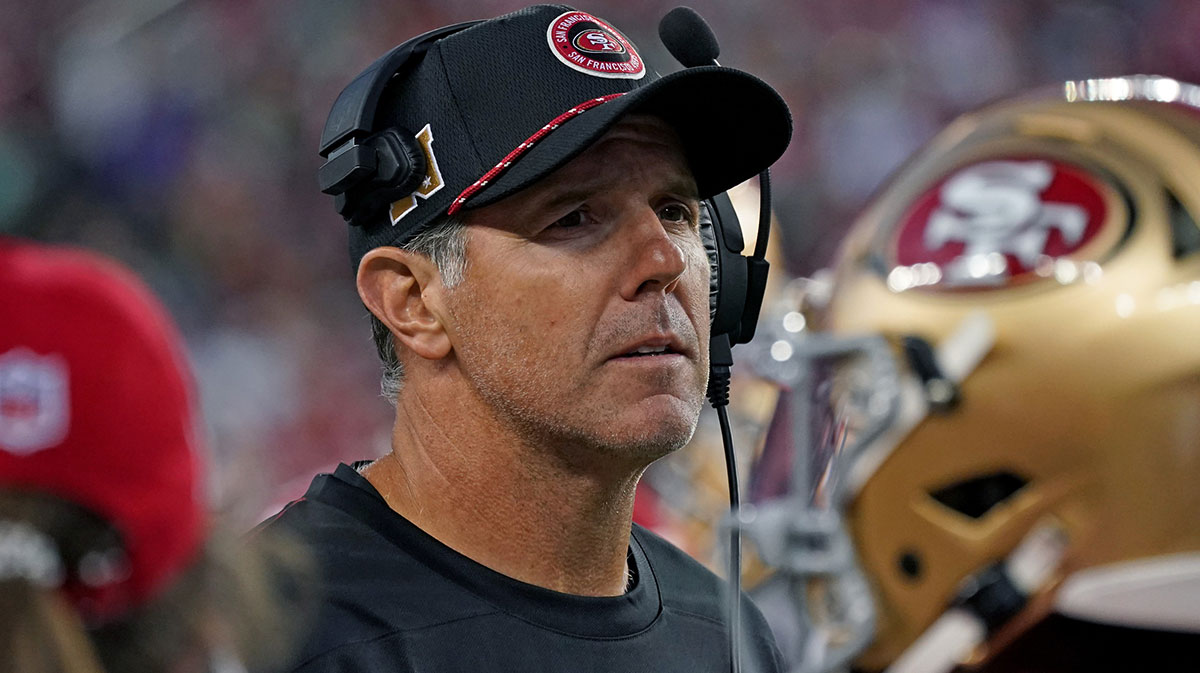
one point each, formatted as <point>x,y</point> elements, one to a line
<point>505,504</point>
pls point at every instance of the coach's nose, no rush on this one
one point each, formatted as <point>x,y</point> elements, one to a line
<point>656,256</point>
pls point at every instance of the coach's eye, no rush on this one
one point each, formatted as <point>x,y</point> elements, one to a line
<point>677,212</point>
<point>571,220</point>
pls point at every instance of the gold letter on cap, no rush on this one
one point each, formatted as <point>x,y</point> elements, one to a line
<point>432,182</point>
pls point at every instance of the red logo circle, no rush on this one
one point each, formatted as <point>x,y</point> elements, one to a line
<point>592,46</point>
<point>1002,222</point>
<point>597,41</point>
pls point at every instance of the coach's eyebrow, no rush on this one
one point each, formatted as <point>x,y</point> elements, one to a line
<point>684,187</point>
<point>681,186</point>
<point>561,199</point>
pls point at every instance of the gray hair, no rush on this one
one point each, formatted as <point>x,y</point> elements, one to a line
<point>445,244</point>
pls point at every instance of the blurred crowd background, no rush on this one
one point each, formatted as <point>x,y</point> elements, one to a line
<point>180,137</point>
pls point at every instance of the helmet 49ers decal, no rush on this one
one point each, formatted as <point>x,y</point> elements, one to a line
<point>1003,222</point>
<point>592,46</point>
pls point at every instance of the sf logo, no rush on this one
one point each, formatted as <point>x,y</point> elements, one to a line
<point>598,41</point>
<point>997,207</point>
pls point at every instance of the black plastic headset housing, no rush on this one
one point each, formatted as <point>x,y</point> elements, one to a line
<point>363,169</point>
<point>739,281</point>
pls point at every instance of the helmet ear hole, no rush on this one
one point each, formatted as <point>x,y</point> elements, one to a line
<point>910,565</point>
<point>976,497</point>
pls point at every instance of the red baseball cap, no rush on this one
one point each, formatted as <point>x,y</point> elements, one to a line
<point>96,408</point>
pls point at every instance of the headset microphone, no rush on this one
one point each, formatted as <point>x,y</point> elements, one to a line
<point>739,282</point>
<point>689,39</point>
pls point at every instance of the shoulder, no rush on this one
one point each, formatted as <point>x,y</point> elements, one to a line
<point>375,587</point>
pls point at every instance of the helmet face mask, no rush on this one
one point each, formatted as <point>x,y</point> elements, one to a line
<point>842,396</point>
<point>1046,249</point>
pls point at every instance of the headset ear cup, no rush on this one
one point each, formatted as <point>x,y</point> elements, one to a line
<point>729,284</point>
<point>709,238</point>
<point>401,160</point>
<point>365,171</point>
<point>401,167</point>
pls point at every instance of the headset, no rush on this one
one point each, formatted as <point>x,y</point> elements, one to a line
<point>736,288</point>
<point>738,282</point>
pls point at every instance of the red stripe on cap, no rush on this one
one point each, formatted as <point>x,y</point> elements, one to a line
<point>529,142</point>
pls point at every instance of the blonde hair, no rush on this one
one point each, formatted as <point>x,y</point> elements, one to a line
<point>251,597</point>
<point>41,633</point>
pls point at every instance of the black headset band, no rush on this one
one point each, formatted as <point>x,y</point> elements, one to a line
<point>353,114</point>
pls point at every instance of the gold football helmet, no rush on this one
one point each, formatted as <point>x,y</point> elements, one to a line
<point>999,385</point>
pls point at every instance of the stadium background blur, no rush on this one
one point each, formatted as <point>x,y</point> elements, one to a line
<point>180,137</point>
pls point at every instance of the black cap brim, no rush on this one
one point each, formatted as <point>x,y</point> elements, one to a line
<point>732,126</point>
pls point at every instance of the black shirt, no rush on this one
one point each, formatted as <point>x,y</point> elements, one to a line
<point>399,600</point>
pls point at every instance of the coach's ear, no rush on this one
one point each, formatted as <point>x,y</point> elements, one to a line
<point>396,286</point>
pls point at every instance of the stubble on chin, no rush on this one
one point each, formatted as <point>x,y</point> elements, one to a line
<point>612,430</point>
<point>578,434</point>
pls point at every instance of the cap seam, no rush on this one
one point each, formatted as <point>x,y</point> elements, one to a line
<point>462,122</point>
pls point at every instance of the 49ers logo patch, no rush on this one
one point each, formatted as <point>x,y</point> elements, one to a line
<point>1004,221</point>
<point>592,46</point>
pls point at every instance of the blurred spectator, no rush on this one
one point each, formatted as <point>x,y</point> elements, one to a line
<point>108,558</point>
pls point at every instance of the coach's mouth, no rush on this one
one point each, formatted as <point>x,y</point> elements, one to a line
<point>656,346</point>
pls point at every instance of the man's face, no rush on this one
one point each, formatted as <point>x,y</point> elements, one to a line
<point>570,278</point>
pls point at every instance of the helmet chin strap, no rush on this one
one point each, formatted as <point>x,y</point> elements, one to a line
<point>986,601</point>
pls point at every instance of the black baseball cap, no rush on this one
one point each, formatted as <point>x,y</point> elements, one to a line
<point>503,103</point>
